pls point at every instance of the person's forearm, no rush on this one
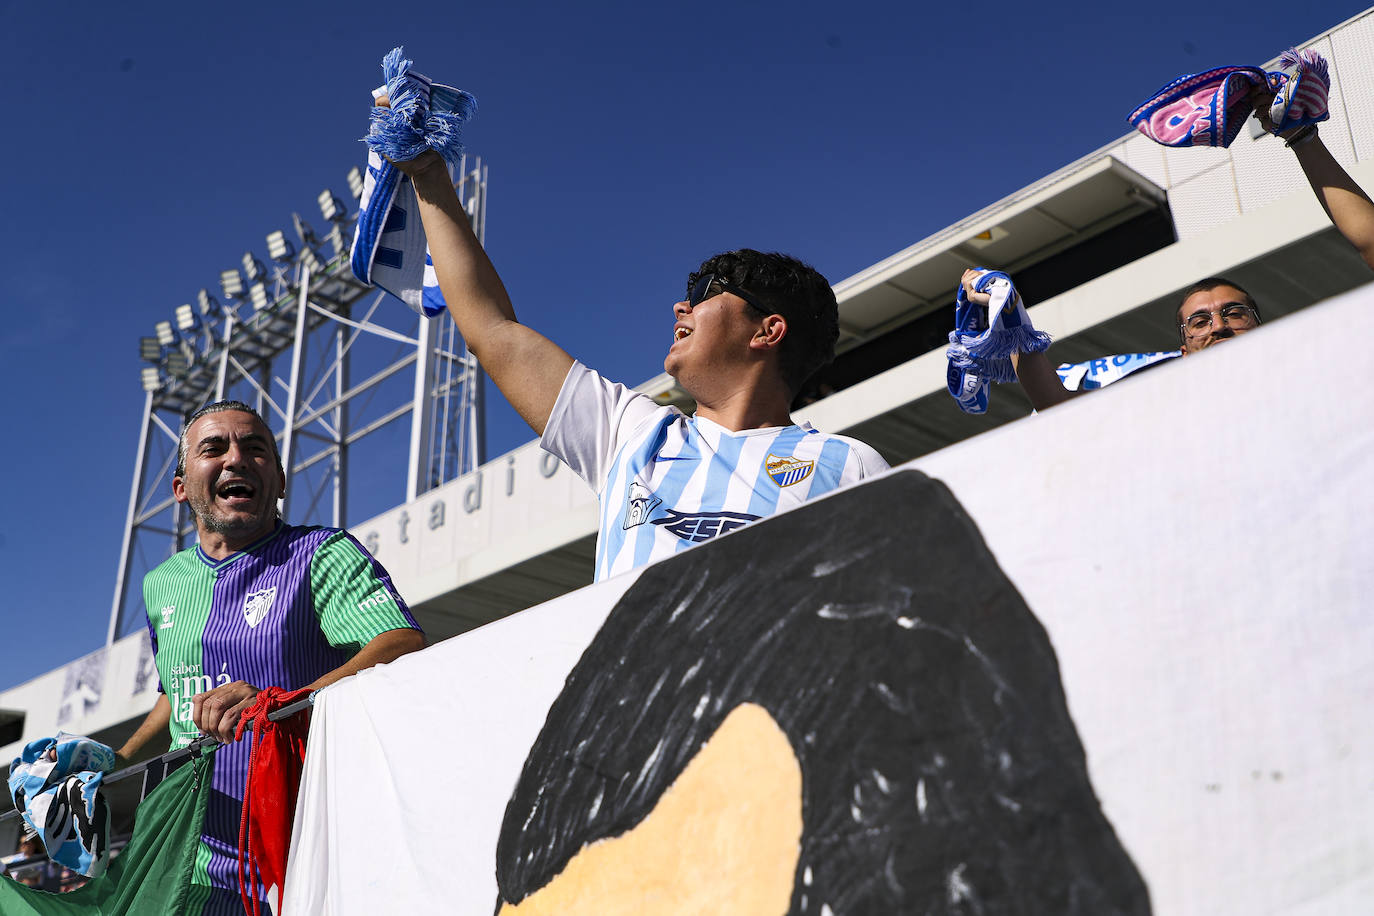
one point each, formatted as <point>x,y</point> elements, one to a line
<point>1345,202</point>
<point>1039,380</point>
<point>154,723</point>
<point>476,297</point>
<point>384,647</point>
<point>527,367</point>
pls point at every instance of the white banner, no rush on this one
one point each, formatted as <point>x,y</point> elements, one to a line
<point>1112,658</point>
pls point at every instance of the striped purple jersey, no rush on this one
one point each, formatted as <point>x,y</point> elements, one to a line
<point>282,612</point>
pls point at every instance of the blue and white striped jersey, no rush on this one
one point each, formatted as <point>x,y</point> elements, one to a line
<point>667,481</point>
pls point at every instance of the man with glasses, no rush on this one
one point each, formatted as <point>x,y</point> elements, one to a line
<point>1215,309</point>
<point>751,329</point>
<point>1212,310</point>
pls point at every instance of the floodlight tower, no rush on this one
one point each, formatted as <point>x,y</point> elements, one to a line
<point>289,339</point>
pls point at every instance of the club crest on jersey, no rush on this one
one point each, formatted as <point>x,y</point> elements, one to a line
<point>639,502</point>
<point>256,605</point>
<point>787,471</point>
<point>167,613</point>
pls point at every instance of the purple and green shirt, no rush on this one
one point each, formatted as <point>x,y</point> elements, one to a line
<point>281,612</point>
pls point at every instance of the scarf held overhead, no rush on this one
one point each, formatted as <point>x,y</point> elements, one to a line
<point>389,248</point>
<point>985,337</point>
<point>1208,108</point>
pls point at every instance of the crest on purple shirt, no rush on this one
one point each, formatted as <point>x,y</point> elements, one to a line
<point>256,605</point>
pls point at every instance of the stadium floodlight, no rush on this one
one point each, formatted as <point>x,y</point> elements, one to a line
<point>149,350</point>
<point>177,364</point>
<point>152,378</point>
<point>165,335</point>
<point>252,267</point>
<point>231,283</point>
<point>304,232</point>
<point>335,238</point>
<point>258,293</point>
<point>355,182</point>
<point>312,261</point>
<point>279,247</point>
<point>209,308</point>
<point>186,317</point>
<point>331,208</point>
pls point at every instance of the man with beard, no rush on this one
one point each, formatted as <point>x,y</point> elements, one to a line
<point>255,602</point>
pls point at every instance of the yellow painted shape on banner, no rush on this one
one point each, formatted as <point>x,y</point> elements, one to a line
<point>724,839</point>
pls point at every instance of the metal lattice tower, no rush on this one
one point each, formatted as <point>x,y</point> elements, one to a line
<point>332,365</point>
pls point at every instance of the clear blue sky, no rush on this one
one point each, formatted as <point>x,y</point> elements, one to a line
<point>147,145</point>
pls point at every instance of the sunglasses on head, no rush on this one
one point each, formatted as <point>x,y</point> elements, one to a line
<point>701,289</point>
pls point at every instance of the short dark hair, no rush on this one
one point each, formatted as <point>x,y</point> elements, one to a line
<point>796,291</point>
<point>941,770</point>
<point>1207,284</point>
<point>220,407</point>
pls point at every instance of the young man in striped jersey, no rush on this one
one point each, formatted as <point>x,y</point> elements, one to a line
<point>751,329</point>
<point>255,603</point>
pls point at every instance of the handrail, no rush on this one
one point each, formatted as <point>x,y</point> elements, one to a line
<point>201,745</point>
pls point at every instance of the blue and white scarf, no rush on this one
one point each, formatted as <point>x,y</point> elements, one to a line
<point>55,785</point>
<point>389,248</point>
<point>983,339</point>
<point>1099,373</point>
<point>1208,108</point>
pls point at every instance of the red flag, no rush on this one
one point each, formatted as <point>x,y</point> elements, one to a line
<point>276,757</point>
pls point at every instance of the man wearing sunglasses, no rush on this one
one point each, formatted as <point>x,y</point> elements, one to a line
<point>751,329</point>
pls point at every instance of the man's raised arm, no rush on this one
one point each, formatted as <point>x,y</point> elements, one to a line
<point>1034,371</point>
<point>1039,381</point>
<point>1346,204</point>
<point>527,366</point>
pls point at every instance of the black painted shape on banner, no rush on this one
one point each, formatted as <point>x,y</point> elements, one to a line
<point>941,770</point>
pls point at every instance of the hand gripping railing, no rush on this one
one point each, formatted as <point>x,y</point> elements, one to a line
<point>164,763</point>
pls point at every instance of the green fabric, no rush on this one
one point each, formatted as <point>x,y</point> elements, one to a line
<point>152,875</point>
<point>351,601</point>
<point>177,597</point>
